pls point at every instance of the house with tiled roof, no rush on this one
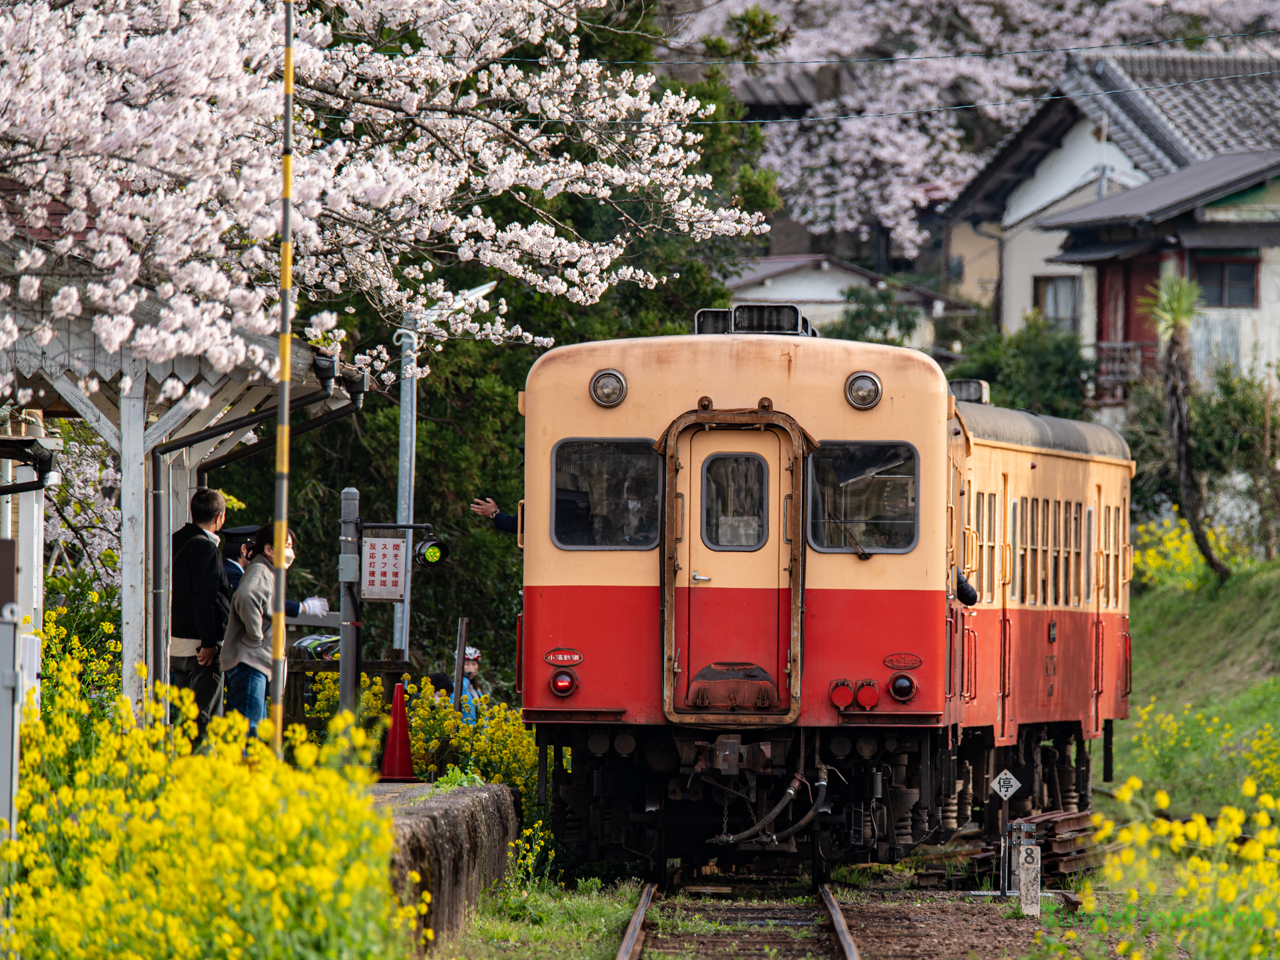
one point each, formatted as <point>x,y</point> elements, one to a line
<point>1117,120</point>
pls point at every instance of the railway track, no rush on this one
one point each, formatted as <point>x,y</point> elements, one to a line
<point>788,930</point>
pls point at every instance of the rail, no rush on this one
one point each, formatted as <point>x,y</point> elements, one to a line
<point>633,938</point>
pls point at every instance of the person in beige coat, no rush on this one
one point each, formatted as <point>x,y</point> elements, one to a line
<point>246,649</point>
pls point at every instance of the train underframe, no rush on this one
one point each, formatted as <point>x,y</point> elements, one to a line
<point>822,794</point>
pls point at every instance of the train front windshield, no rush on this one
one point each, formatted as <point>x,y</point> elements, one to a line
<point>607,494</point>
<point>863,497</point>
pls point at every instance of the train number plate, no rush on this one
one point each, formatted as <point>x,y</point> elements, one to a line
<point>563,657</point>
<point>902,661</point>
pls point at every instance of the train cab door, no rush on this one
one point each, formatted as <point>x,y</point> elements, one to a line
<point>738,588</point>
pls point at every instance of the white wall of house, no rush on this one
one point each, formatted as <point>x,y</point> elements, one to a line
<point>1250,338</point>
<point>1063,170</point>
<point>820,296</point>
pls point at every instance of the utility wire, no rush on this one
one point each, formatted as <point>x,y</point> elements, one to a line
<point>938,56</point>
<point>879,116</point>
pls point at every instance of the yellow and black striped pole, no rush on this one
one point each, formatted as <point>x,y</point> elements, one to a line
<point>276,712</point>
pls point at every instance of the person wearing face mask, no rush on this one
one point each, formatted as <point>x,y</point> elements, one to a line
<point>246,650</point>
<point>312,606</point>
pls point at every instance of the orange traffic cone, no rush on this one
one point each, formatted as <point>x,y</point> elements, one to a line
<point>397,757</point>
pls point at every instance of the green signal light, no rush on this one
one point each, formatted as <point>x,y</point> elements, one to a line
<point>432,553</point>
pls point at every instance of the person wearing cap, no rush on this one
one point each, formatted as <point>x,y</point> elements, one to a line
<point>200,603</point>
<point>471,685</point>
<point>237,547</point>
<point>502,522</point>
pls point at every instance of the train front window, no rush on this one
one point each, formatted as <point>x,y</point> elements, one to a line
<point>863,497</point>
<point>606,495</point>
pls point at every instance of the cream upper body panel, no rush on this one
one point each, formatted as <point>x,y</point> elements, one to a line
<point>803,377</point>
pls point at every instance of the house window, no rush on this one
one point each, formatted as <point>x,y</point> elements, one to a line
<point>1228,283</point>
<point>1058,298</point>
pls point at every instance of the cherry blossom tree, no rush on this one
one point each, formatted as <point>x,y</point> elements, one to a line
<point>902,145</point>
<point>140,178</point>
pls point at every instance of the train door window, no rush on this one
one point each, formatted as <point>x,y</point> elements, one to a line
<point>1056,571</point>
<point>1075,541</point>
<point>1044,552</point>
<point>991,546</point>
<point>1034,544</point>
<point>979,530</point>
<point>735,512</point>
<point>863,497</point>
<point>1088,556</point>
<point>1021,524</point>
<point>607,495</point>
<point>1014,556</point>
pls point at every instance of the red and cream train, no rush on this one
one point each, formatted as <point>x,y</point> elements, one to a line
<point>741,631</point>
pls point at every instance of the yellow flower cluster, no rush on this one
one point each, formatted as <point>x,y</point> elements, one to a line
<point>130,846</point>
<point>1165,554</point>
<point>1225,877</point>
<point>100,660</point>
<point>497,746</point>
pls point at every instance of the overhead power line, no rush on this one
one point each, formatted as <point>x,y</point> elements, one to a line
<point>907,59</point>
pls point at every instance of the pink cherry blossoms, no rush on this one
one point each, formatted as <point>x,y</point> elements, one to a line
<point>140,174</point>
<point>849,174</point>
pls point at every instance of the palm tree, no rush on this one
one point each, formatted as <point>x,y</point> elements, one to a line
<point>1173,306</point>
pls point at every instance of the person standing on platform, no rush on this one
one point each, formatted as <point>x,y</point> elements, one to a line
<point>246,652</point>
<point>237,546</point>
<point>312,606</point>
<point>200,603</point>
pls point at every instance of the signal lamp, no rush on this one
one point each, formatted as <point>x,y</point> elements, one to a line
<point>902,687</point>
<point>430,553</point>
<point>563,683</point>
<point>863,390</point>
<point>608,388</point>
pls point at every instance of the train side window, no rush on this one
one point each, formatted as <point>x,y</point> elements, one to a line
<point>863,496</point>
<point>1088,556</point>
<point>991,546</point>
<point>1044,552</point>
<point>1104,578</point>
<point>1115,561</point>
<point>1075,541</point>
<point>1034,544</point>
<point>979,538</point>
<point>735,498</point>
<point>1057,552</point>
<point>1022,549</point>
<point>607,495</point>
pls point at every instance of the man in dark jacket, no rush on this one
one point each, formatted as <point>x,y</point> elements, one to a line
<point>200,603</point>
<point>502,522</point>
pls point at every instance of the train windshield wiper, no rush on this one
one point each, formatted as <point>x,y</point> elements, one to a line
<point>872,473</point>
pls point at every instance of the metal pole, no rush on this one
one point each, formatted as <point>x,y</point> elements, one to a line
<point>1004,846</point>
<point>276,712</point>
<point>348,579</point>
<point>408,341</point>
<point>457,663</point>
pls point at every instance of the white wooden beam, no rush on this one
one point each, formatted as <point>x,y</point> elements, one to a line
<point>133,526</point>
<point>223,398</point>
<point>172,418</point>
<point>79,401</point>
<point>243,408</point>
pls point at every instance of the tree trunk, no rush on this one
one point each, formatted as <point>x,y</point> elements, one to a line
<point>1177,386</point>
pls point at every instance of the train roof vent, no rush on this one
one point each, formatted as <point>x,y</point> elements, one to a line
<point>783,318</point>
<point>971,391</point>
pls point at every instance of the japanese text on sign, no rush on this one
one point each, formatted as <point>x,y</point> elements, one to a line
<point>382,569</point>
<point>1005,784</point>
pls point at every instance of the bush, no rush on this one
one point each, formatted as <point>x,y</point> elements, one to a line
<point>1166,555</point>
<point>130,846</point>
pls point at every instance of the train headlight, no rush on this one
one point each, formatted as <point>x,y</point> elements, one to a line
<point>608,388</point>
<point>564,682</point>
<point>863,390</point>
<point>430,553</point>
<point>902,687</point>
